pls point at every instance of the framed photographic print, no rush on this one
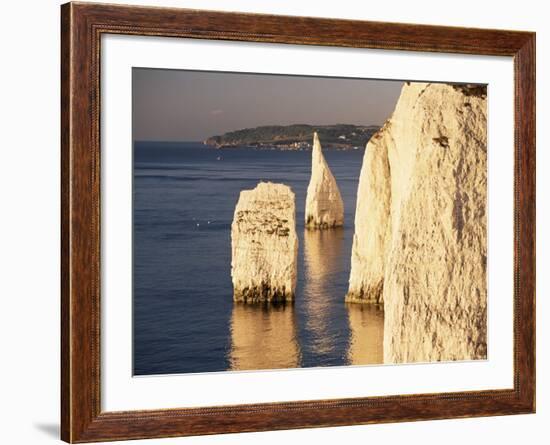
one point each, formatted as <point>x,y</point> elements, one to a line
<point>275,222</point>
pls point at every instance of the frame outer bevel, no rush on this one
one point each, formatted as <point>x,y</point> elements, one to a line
<point>82,25</point>
<point>66,110</point>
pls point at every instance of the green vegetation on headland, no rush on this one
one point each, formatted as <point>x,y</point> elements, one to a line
<point>296,137</point>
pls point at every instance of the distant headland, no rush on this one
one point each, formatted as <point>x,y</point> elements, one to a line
<point>295,137</point>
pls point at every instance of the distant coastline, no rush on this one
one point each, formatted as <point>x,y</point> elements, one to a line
<point>295,137</point>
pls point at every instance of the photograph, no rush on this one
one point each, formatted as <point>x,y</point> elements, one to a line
<point>278,222</point>
<point>284,221</point>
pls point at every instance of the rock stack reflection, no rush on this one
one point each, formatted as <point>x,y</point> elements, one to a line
<point>263,337</point>
<point>367,334</point>
<point>323,261</point>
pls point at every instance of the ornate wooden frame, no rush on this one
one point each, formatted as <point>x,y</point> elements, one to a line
<point>82,25</point>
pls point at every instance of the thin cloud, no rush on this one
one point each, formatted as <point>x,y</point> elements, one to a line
<point>216,112</point>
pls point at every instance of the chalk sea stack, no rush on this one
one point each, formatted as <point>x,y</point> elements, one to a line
<point>372,227</point>
<point>264,245</point>
<point>420,242</point>
<point>324,205</point>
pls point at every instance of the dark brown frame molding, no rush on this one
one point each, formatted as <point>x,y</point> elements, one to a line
<point>82,25</point>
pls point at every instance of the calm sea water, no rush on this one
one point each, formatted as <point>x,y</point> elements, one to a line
<point>184,316</point>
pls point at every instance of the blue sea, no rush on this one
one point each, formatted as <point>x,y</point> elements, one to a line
<point>184,318</point>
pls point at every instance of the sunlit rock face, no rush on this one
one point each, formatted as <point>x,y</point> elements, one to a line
<point>264,245</point>
<point>420,241</point>
<point>263,337</point>
<point>372,224</point>
<point>324,205</point>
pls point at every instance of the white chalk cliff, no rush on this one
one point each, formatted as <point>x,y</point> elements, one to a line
<point>264,244</point>
<point>420,241</point>
<point>324,205</point>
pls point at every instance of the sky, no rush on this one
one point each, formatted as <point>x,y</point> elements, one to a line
<point>181,105</point>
